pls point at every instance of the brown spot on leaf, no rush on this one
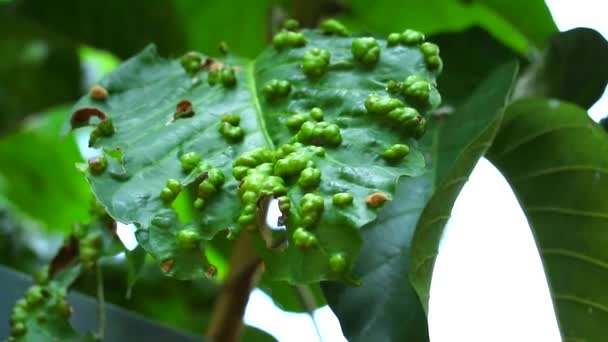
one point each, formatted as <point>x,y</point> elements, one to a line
<point>82,116</point>
<point>376,199</point>
<point>167,265</point>
<point>183,110</point>
<point>98,92</point>
<point>212,65</point>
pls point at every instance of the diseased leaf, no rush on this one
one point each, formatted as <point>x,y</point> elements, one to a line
<point>386,307</point>
<point>571,68</point>
<point>170,133</point>
<point>556,160</point>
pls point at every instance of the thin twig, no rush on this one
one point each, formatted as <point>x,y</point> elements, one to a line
<point>101,310</point>
<point>307,299</point>
<point>245,265</point>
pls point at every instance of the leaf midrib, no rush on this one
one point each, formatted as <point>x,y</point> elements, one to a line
<point>252,86</point>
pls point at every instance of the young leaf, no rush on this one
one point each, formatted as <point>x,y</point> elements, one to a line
<point>386,307</point>
<point>556,160</point>
<point>304,121</point>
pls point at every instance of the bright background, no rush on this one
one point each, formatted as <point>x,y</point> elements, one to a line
<point>488,283</point>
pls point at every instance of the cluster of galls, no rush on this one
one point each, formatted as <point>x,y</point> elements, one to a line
<point>230,129</point>
<point>315,62</point>
<point>288,37</point>
<point>415,38</point>
<point>366,50</point>
<point>90,244</point>
<point>276,89</point>
<point>224,75</point>
<point>310,129</point>
<point>193,62</point>
<point>39,302</point>
<point>394,110</point>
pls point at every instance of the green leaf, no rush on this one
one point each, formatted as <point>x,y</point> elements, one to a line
<point>502,19</point>
<point>537,25</point>
<point>556,160</point>
<point>471,56</point>
<point>38,176</point>
<point>145,150</point>
<point>38,70</point>
<point>572,68</point>
<point>403,241</point>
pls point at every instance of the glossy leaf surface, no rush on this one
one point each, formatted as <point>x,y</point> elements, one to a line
<point>147,144</point>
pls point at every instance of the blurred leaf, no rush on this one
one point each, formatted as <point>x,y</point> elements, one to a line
<point>537,24</point>
<point>470,56</point>
<point>286,296</point>
<point>556,160</point>
<point>435,16</point>
<point>121,325</point>
<point>38,70</point>
<point>38,174</point>
<point>385,307</point>
<point>242,24</point>
<point>573,68</point>
<point>123,27</point>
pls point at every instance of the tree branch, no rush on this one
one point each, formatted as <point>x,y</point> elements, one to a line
<point>245,265</point>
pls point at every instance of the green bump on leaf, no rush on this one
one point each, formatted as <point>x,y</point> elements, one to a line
<point>191,62</point>
<point>396,153</point>
<point>286,39</point>
<point>189,161</point>
<point>309,178</point>
<point>342,199</point>
<point>431,54</point>
<point>319,134</point>
<point>337,262</point>
<point>366,50</point>
<point>295,121</point>
<point>393,39</point>
<point>315,62</point>
<point>291,25</point>
<point>98,164</point>
<point>228,77</point>
<point>316,114</point>
<point>304,239</point>
<point>411,37</point>
<point>393,87</point>
<point>334,27</point>
<point>276,89</point>
<point>174,185</point>
<point>188,238</point>
<point>417,88</point>
<point>232,119</point>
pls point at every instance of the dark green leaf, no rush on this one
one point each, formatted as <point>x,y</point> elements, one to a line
<point>572,68</point>
<point>537,24</point>
<point>386,308</point>
<point>145,150</point>
<point>502,19</point>
<point>38,175</point>
<point>38,70</point>
<point>556,160</point>
<point>118,26</point>
<point>470,57</point>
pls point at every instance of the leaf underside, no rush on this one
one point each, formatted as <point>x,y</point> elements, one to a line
<point>145,149</point>
<point>556,160</point>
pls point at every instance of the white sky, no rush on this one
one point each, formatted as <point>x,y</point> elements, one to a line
<point>488,282</point>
